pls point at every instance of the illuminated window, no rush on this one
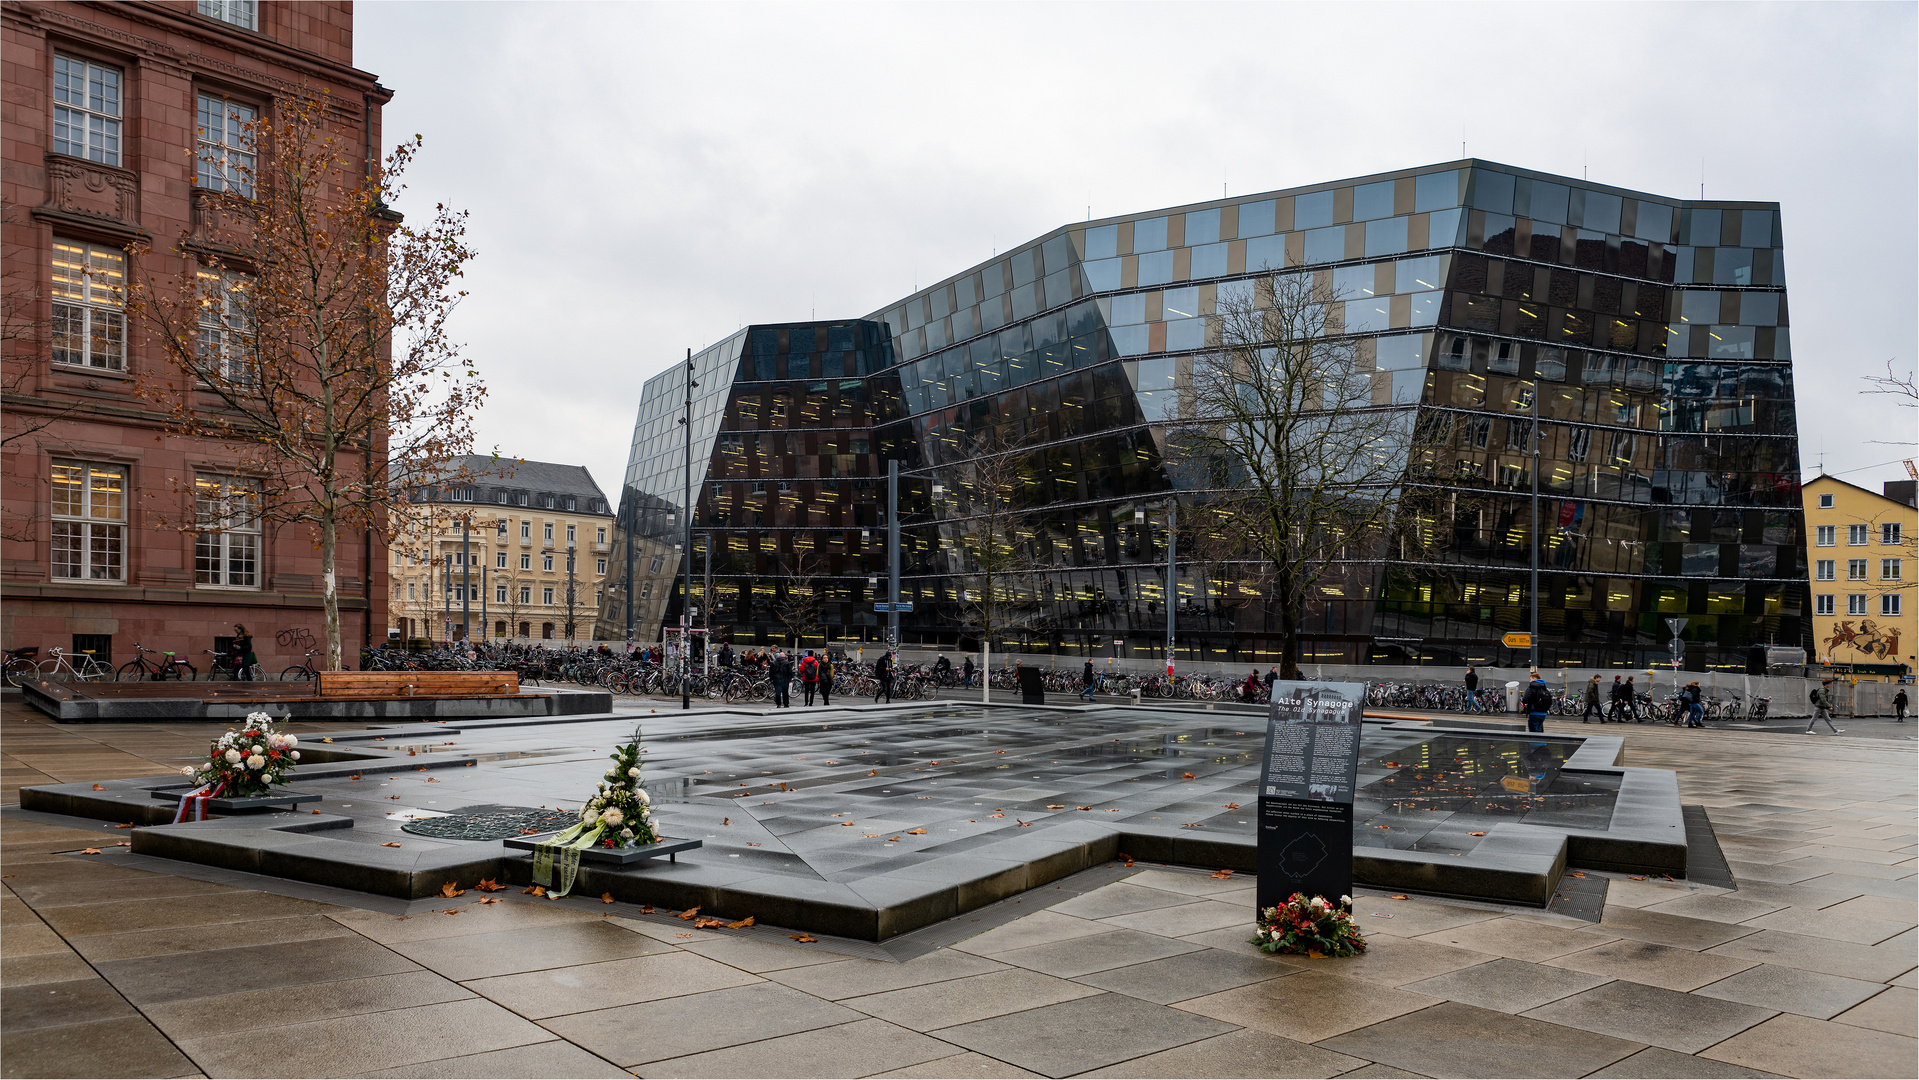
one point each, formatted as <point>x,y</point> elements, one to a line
<point>225,146</point>
<point>227,552</point>
<point>89,521</point>
<point>89,294</point>
<point>226,330</point>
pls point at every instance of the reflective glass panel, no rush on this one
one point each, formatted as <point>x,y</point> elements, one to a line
<point>1732,266</point>
<point>1443,228</point>
<point>1386,237</point>
<point>1705,229</point>
<point>1759,309</point>
<point>1101,276</point>
<point>1436,191</point>
<point>1256,218</point>
<point>1155,268</point>
<point>1755,229</point>
<point>1209,261</point>
<point>1549,202</point>
<point>1149,234</point>
<point>1602,212</point>
<point>1400,352</point>
<point>1426,308</point>
<point>1698,306</point>
<point>1367,316</point>
<point>1202,227</point>
<point>1731,343</point>
<point>1266,252</point>
<point>1654,222</point>
<point>1127,310</point>
<point>1353,282</point>
<point>1322,245</point>
<point>1492,191</point>
<point>1373,201</point>
<point>1102,242</point>
<point>1179,303</point>
<point>1313,210</point>
<point>1185,334</point>
<point>1416,275</point>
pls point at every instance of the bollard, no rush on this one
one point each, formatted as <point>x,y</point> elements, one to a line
<point>1134,694</point>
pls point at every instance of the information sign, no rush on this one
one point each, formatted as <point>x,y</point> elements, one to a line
<point>1517,641</point>
<point>1307,779</point>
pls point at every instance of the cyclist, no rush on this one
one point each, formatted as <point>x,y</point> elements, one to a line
<point>1249,690</point>
<point>883,675</point>
<point>1472,689</point>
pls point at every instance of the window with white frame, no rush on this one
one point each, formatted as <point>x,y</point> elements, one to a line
<point>412,592</point>
<point>1855,569</point>
<point>1856,535</point>
<point>226,552</point>
<point>89,521</point>
<point>549,531</point>
<point>241,13</point>
<point>1825,502</point>
<point>600,535</point>
<point>1823,569</point>
<point>499,560</point>
<point>547,562</point>
<point>547,596</point>
<point>569,534</point>
<point>226,329</point>
<point>600,565</point>
<point>89,300</point>
<point>526,562</point>
<point>1891,569</point>
<point>526,530</point>
<point>1823,535</point>
<point>1889,603</point>
<point>1822,604</point>
<point>86,109</point>
<point>499,594</point>
<point>225,145</point>
<point>1856,603</point>
<point>502,528</point>
<point>1889,532</point>
<point>526,594</point>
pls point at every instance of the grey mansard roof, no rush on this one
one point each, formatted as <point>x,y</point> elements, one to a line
<point>507,481</point>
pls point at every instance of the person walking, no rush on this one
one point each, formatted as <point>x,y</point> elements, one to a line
<point>826,677</point>
<point>1472,689</point>
<point>1632,701</point>
<point>1272,676</point>
<point>782,680</point>
<point>883,675</point>
<point>1086,679</point>
<point>1822,707</point>
<point>1695,702</point>
<point>1538,702</point>
<point>966,672</point>
<point>240,653</point>
<point>1899,706</point>
<point>1616,699</point>
<point>809,675</point>
<point>1592,703</point>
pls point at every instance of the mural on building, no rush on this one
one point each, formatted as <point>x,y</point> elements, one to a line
<point>1875,644</point>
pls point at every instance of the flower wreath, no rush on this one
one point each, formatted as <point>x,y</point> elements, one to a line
<point>245,761</point>
<point>1310,925</point>
<point>619,815</point>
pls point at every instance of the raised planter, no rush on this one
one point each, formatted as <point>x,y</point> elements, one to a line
<point>668,847</point>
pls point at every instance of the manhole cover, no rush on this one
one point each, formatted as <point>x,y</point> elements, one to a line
<point>491,823</point>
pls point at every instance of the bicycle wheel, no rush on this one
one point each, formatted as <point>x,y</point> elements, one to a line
<point>297,674</point>
<point>131,671</point>
<point>19,671</point>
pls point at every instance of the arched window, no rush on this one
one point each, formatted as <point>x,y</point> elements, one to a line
<point>546,630</point>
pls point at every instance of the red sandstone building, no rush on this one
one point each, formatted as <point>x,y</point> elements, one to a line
<point>107,110</point>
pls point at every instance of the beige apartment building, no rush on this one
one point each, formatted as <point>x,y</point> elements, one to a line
<point>518,550</point>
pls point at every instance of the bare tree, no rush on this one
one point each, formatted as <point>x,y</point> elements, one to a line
<point>997,567</point>
<point>1296,458</point>
<point>306,335</point>
<point>24,340</point>
<point>799,599</point>
<point>1903,389</point>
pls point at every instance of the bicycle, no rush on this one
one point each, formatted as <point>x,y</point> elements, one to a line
<point>21,665</point>
<point>217,668</point>
<point>63,667</point>
<point>303,671</point>
<point>140,668</point>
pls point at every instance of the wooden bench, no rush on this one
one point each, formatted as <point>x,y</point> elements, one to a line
<point>404,684</point>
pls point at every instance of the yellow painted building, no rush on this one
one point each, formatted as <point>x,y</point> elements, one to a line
<point>1861,549</point>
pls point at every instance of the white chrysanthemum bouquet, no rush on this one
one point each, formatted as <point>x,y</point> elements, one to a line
<point>619,814</point>
<point>248,760</point>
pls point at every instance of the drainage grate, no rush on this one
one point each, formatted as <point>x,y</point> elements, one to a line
<point>490,823</point>
<point>1705,863</point>
<point>1582,896</point>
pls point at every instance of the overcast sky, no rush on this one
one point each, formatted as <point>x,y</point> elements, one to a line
<point>644,178</point>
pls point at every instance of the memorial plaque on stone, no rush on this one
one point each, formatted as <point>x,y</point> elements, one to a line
<point>1306,791</point>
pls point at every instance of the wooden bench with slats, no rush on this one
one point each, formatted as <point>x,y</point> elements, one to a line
<point>403,684</point>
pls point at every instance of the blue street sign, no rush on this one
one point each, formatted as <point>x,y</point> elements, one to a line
<point>903,606</point>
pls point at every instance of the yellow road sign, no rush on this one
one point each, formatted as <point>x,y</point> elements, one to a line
<point>1518,641</point>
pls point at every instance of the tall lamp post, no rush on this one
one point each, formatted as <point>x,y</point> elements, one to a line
<point>571,599</point>
<point>1533,590</point>
<point>466,578</point>
<point>893,559</point>
<point>686,510</point>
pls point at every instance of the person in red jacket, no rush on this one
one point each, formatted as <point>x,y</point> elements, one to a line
<point>809,675</point>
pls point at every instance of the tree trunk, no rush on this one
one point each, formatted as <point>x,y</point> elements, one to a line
<point>986,671</point>
<point>1288,640</point>
<point>329,577</point>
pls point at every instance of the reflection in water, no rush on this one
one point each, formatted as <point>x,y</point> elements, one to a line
<point>1432,795</point>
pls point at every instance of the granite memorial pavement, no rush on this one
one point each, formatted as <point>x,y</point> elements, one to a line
<point>113,964</point>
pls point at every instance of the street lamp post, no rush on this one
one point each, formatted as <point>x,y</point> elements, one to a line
<point>893,559</point>
<point>466,578</point>
<point>1172,578</point>
<point>686,509</point>
<point>1533,653</point>
<point>571,599</point>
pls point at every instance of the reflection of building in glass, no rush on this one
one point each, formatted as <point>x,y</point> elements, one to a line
<point>1651,333</point>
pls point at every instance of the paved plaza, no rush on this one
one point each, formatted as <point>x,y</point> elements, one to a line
<point>122,965</point>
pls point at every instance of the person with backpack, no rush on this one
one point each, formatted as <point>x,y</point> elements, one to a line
<point>883,675</point>
<point>1472,689</point>
<point>782,680</point>
<point>1616,702</point>
<point>1631,700</point>
<point>1538,701</point>
<point>1592,703</point>
<point>1822,707</point>
<point>966,672</point>
<point>1694,701</point>
<point>1087,678</point>
<point>826,678</point>
<point>1899,706</point>
<point>809,671</point>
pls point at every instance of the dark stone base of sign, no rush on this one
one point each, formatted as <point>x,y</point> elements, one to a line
<point>626,856</point>
<point>281,799</point>
<point>117,703</point>
<point>1032,687</point>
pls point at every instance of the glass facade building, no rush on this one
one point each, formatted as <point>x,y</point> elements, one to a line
<point>1649,337</point>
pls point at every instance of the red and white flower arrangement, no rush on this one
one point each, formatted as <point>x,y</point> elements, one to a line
<point>246,761</point>
<point>1311,926</point>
